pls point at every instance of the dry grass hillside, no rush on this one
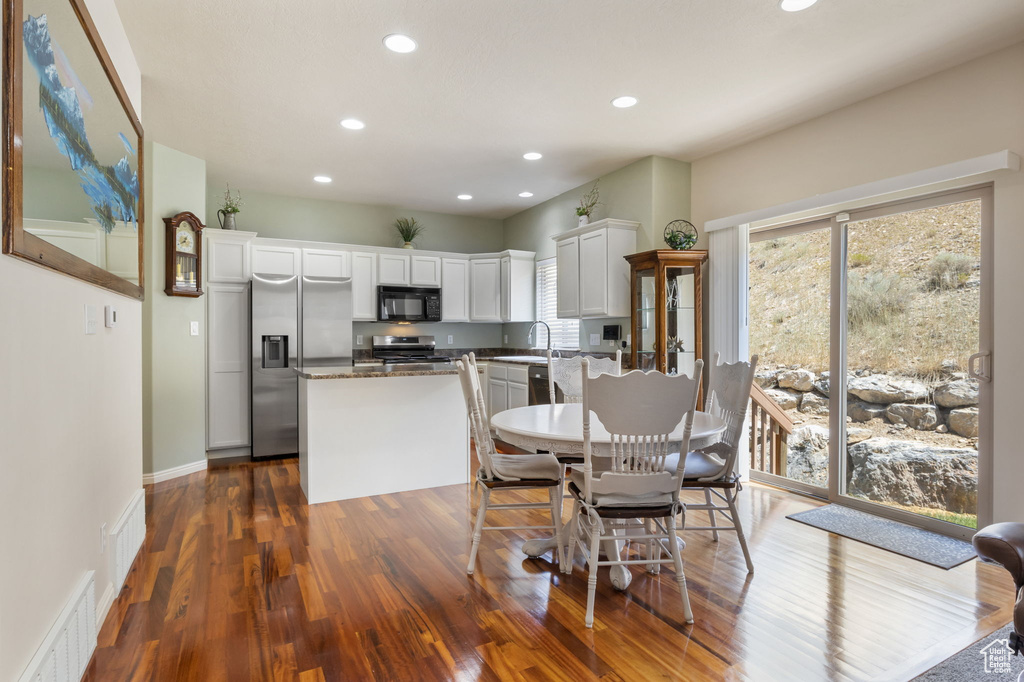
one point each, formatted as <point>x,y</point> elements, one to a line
<point>912,302</point>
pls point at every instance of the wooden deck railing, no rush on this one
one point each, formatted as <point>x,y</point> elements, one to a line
<point>770,427</point>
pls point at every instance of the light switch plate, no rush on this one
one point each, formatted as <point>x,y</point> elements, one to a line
<point>193,328</point>
<point>451,339</point>
<point>91,314</point>
<point>359,339</point>
<point>595,339</point>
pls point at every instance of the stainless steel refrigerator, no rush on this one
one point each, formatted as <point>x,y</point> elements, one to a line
<point>296,322</point>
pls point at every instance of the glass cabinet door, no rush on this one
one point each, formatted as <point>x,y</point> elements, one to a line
<point>680,338</point>
<point>644,333</point>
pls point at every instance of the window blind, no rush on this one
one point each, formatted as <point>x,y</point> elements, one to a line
<point>564,333</point>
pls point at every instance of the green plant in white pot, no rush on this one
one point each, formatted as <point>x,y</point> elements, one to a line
<point>587,204</point>
<point>408,229</point>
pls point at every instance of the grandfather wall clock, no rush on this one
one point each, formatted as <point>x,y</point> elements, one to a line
<point>184,255</point>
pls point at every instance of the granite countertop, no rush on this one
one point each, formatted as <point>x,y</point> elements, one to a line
<point>380,371</point>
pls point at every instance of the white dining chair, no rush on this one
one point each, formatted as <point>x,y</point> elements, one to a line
<point>713,469</point>
<point>506,472</point>
<point>633,489</point>
<point>567,374</point>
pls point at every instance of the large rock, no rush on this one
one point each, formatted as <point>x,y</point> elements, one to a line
<point>814,404</point>
<point>881,388</point>
<point>765,378</point>
<point>807,455</point>
<point>962,393</point>
<point>964,421</point>
<point>922,417</point>
<point>855,434</point>
<point>914,474</point>
<point>797,379</point>
<point>787,400</point>
<point>864,412</point>
<point>822,385</point>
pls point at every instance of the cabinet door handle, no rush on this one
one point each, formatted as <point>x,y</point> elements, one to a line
<point>979,366</point>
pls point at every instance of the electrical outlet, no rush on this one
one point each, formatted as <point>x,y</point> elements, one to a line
<point>451,339</point>
<point>595,339</point>
<point>103,538</point>
<point>629,339</point>
<point>193,328</point>
<point>611,343</point>
<point>506,338</point>
<point>359,339</point>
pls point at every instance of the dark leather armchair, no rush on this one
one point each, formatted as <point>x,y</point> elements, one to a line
<point>1003,543</point>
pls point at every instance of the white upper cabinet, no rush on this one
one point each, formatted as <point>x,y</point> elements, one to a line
<point>275,260</point>
<point>455,290</point>
<point>393,269</point>
<point>326,263</point>
<point>364,285</point>
<point>595,281</point>
<point>518,286</point>
<point>426,271</point>
<point>228,256</point>
<point>567,264</point>
<point>485,290</point>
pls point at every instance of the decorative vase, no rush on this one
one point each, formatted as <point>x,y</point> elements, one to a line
<point>408,245</point>
<point>226,220</point>
<point>584,220</point>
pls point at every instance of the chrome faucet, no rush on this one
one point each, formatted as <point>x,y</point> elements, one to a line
<point>529,334</point>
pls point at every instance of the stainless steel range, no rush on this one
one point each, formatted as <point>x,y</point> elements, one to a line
<point>406,350</point>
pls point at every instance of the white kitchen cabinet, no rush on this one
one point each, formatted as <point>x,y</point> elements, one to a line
<point>518,286</point>
<point>228,256</point>
<point>275,260</point>
<point>567,264</point>
<point>595,280</point>
<point>426,271</point>
<point>455,290</point>
<point>364,285</point>
<point>227,324</point>
<point>393,269</point>
<point>507,386</point>
<point>326,263</point>
<point>485,290</point>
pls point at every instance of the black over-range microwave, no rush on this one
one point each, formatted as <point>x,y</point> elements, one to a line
<point>408,304</point>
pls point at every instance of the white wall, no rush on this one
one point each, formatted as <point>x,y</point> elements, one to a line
<point>964,112</point>
<point>71,419</point>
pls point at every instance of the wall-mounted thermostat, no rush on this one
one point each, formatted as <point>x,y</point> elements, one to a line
<point>110,316</point>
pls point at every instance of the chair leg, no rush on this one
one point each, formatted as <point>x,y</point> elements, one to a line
<point>677,560</point>
<point>485,497</point>
<point>711,513</point>
<point>555,494</point>
<point>595,552</point>
<point>572,534</point>
<point>653,549</point>
<point>730,497</point>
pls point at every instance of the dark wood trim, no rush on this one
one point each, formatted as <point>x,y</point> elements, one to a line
<point>16,241</point>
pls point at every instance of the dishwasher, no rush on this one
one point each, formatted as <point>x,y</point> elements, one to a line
<point>537,379</point>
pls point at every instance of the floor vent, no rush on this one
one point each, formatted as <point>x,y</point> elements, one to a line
<point>127,537</point>
<point>68,646</point>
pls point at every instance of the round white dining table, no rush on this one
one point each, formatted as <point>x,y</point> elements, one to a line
<point>559,429</point>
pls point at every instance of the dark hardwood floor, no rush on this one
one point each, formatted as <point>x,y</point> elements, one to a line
<point>239,579</point>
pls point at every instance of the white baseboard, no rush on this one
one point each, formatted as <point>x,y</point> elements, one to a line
<point>168,474</point>
<point>225,453</point>
<point>126,537</point>
<point>68,646</point>
<point>104,604</point>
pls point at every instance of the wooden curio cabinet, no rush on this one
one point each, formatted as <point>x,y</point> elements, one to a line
<point>666,317</point>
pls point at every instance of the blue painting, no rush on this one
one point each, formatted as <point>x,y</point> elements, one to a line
<point>113,191</point>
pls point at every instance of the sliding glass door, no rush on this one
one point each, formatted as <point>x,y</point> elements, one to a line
<point>881,367</point>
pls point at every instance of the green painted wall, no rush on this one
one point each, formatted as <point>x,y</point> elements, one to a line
<point>173,361</point>
<point>52,194</point>
<point>282,217</point>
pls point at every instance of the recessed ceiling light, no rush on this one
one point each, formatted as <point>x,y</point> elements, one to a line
<point>795,5</point>
<point>321,178</point>
<point>532,156</point>
<point>396,42</point>
<point>465,197</point>
<point>353,124</point>
<point>624,102</point>
<point>526,195</point>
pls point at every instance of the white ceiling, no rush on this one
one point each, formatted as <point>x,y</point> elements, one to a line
<point>258,88</point>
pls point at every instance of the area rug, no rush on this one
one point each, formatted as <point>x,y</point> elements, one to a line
<point>988,659</point>
<point>931,548</point>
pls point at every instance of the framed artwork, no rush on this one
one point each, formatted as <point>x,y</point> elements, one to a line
<point>72,147</point>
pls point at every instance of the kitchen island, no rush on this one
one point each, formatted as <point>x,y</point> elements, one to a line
<point>384,429</point>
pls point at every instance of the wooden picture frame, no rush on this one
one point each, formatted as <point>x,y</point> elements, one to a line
<point>17,241</point>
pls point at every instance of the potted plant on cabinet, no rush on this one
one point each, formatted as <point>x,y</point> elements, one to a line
<point>587,203</point>
<point>408,229</point>
<point>231,206</point>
